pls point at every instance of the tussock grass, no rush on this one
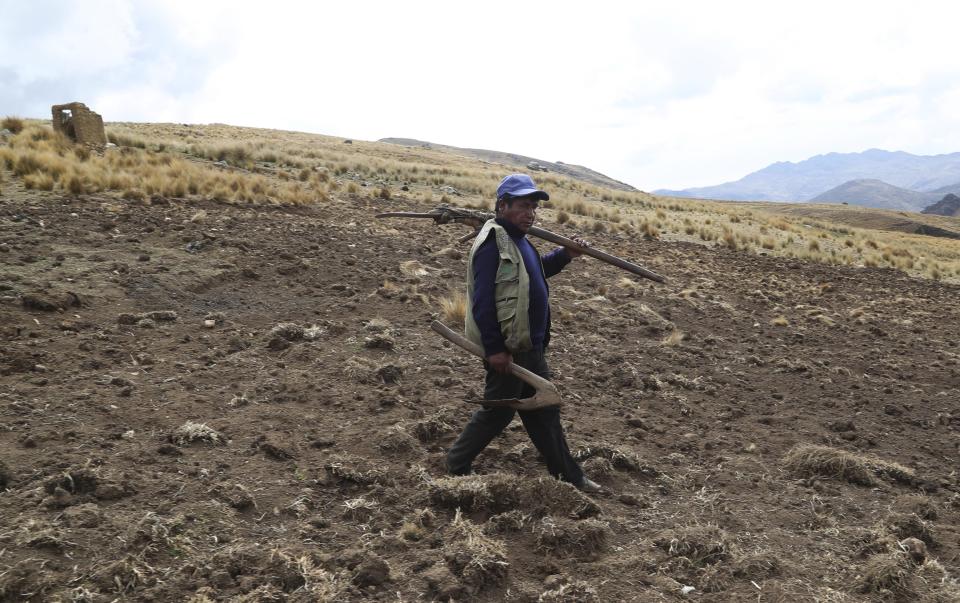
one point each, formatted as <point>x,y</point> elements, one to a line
<point>811,460</point>
<point>653,320</point>
<point>48,161</point>
<point>498,492</point>
<point>294,332</point>
<point>397,440</point>
<point>571,592</point>
<point>889,572</point>
<point>674,339</point>
<point>477,559</point>
<point>350,469</point>
<point>507,522</point>
<point>700,544</point>
<point>12,123</point>
<point>247,165</point>
<point>453,308</point>
<point>280,571</point>
<point>360,509</point>
<point>191,433</point>
<point>568,538</point>
<point>435,426</point>
<point>618,459</point>
<point>155,530</point>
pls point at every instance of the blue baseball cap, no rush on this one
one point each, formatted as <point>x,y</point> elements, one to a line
<point>520,185</point>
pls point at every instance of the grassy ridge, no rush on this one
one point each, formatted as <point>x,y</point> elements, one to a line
<point>260,166</point>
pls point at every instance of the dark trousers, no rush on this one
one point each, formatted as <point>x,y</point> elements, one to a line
<point>542,425</point>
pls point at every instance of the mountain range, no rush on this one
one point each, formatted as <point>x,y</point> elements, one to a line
<point>874,178</point>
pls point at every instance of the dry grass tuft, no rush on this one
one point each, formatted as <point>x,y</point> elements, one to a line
<point>397,440</point>
<point>780,321</point>
<point>891,573</point>
<point>48,161</point>
<point>910,525</point>
<point>435,426</point>
<point>700,545</point>
<point>190,433</point>
<point>12,123</point>
<point>478,560</point>
<point>564,537</point>
<point>416,525</point>
<point>355,470</point>
<point>465,492</point>
<point>812,460</point>
<point>154,530</point>
<point>674,339</point>
<point>498,492</point>
<point>504,523</point>
<point>278,573</point>
<point>360,509</point>
<point>453,308</point>
<point>413,268</point>
<point>38,534</point>
<point>655,323</point>
<point>360,369</point>
<point>619,459</point>
<point>571,592</point>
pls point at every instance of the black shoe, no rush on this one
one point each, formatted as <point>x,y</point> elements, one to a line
<point>589,486</point>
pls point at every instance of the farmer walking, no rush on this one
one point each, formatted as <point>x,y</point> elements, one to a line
<point>508,313</point>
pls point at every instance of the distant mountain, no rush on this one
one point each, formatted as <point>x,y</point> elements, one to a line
<point>787,181</point>
<point>522,163</point>
<point>876,193</point>
<point>946,190</point>
<point>948,206</point>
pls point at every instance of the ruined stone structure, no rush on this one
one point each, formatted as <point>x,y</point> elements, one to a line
<point>79,123</point>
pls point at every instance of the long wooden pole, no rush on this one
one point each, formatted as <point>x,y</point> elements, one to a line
<point>444,215</point>
<point>595,253</point>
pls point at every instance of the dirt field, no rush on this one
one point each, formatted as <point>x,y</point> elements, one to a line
<point>220,403</point>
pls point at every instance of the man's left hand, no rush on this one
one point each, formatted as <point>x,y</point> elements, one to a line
<point>575,253</point>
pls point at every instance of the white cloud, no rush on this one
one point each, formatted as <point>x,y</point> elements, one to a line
<point>677,95</point>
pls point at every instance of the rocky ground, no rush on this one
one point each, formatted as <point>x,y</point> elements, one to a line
<point>220,403</point>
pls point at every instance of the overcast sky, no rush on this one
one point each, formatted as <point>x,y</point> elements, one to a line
<point>659,95</point>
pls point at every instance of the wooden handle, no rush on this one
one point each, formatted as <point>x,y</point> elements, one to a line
<point>534,380</point>
<point>596,253</point>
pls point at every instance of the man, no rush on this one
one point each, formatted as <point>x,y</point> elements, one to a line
<point>508,313</point>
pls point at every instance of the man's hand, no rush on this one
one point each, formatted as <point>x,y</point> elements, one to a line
<point>575,253</point>
<point>500,362</point>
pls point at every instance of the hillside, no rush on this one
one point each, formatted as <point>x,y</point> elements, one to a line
<point>948,206</point>
<point>878,194</point>
<point>803,180</point>
<point>209,398</point>
<point>520,162</point>
<point>926,225</point>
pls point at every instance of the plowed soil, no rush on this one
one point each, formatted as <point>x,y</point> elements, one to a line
<point>221,403</point>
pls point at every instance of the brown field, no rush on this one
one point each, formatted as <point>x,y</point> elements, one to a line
<point>236,396</point>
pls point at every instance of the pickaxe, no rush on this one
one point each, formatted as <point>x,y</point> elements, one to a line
<point>547,394</point>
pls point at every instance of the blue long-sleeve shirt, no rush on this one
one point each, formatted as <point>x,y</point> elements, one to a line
<point>485,263</point>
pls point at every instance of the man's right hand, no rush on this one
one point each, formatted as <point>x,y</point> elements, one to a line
<point>500,362</point>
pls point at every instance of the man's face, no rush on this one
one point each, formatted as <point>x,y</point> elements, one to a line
<point>521,212</point>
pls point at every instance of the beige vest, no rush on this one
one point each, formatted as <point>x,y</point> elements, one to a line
<point>511,291</point>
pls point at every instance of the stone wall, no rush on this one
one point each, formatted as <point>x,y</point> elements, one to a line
<point>79,123</point>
